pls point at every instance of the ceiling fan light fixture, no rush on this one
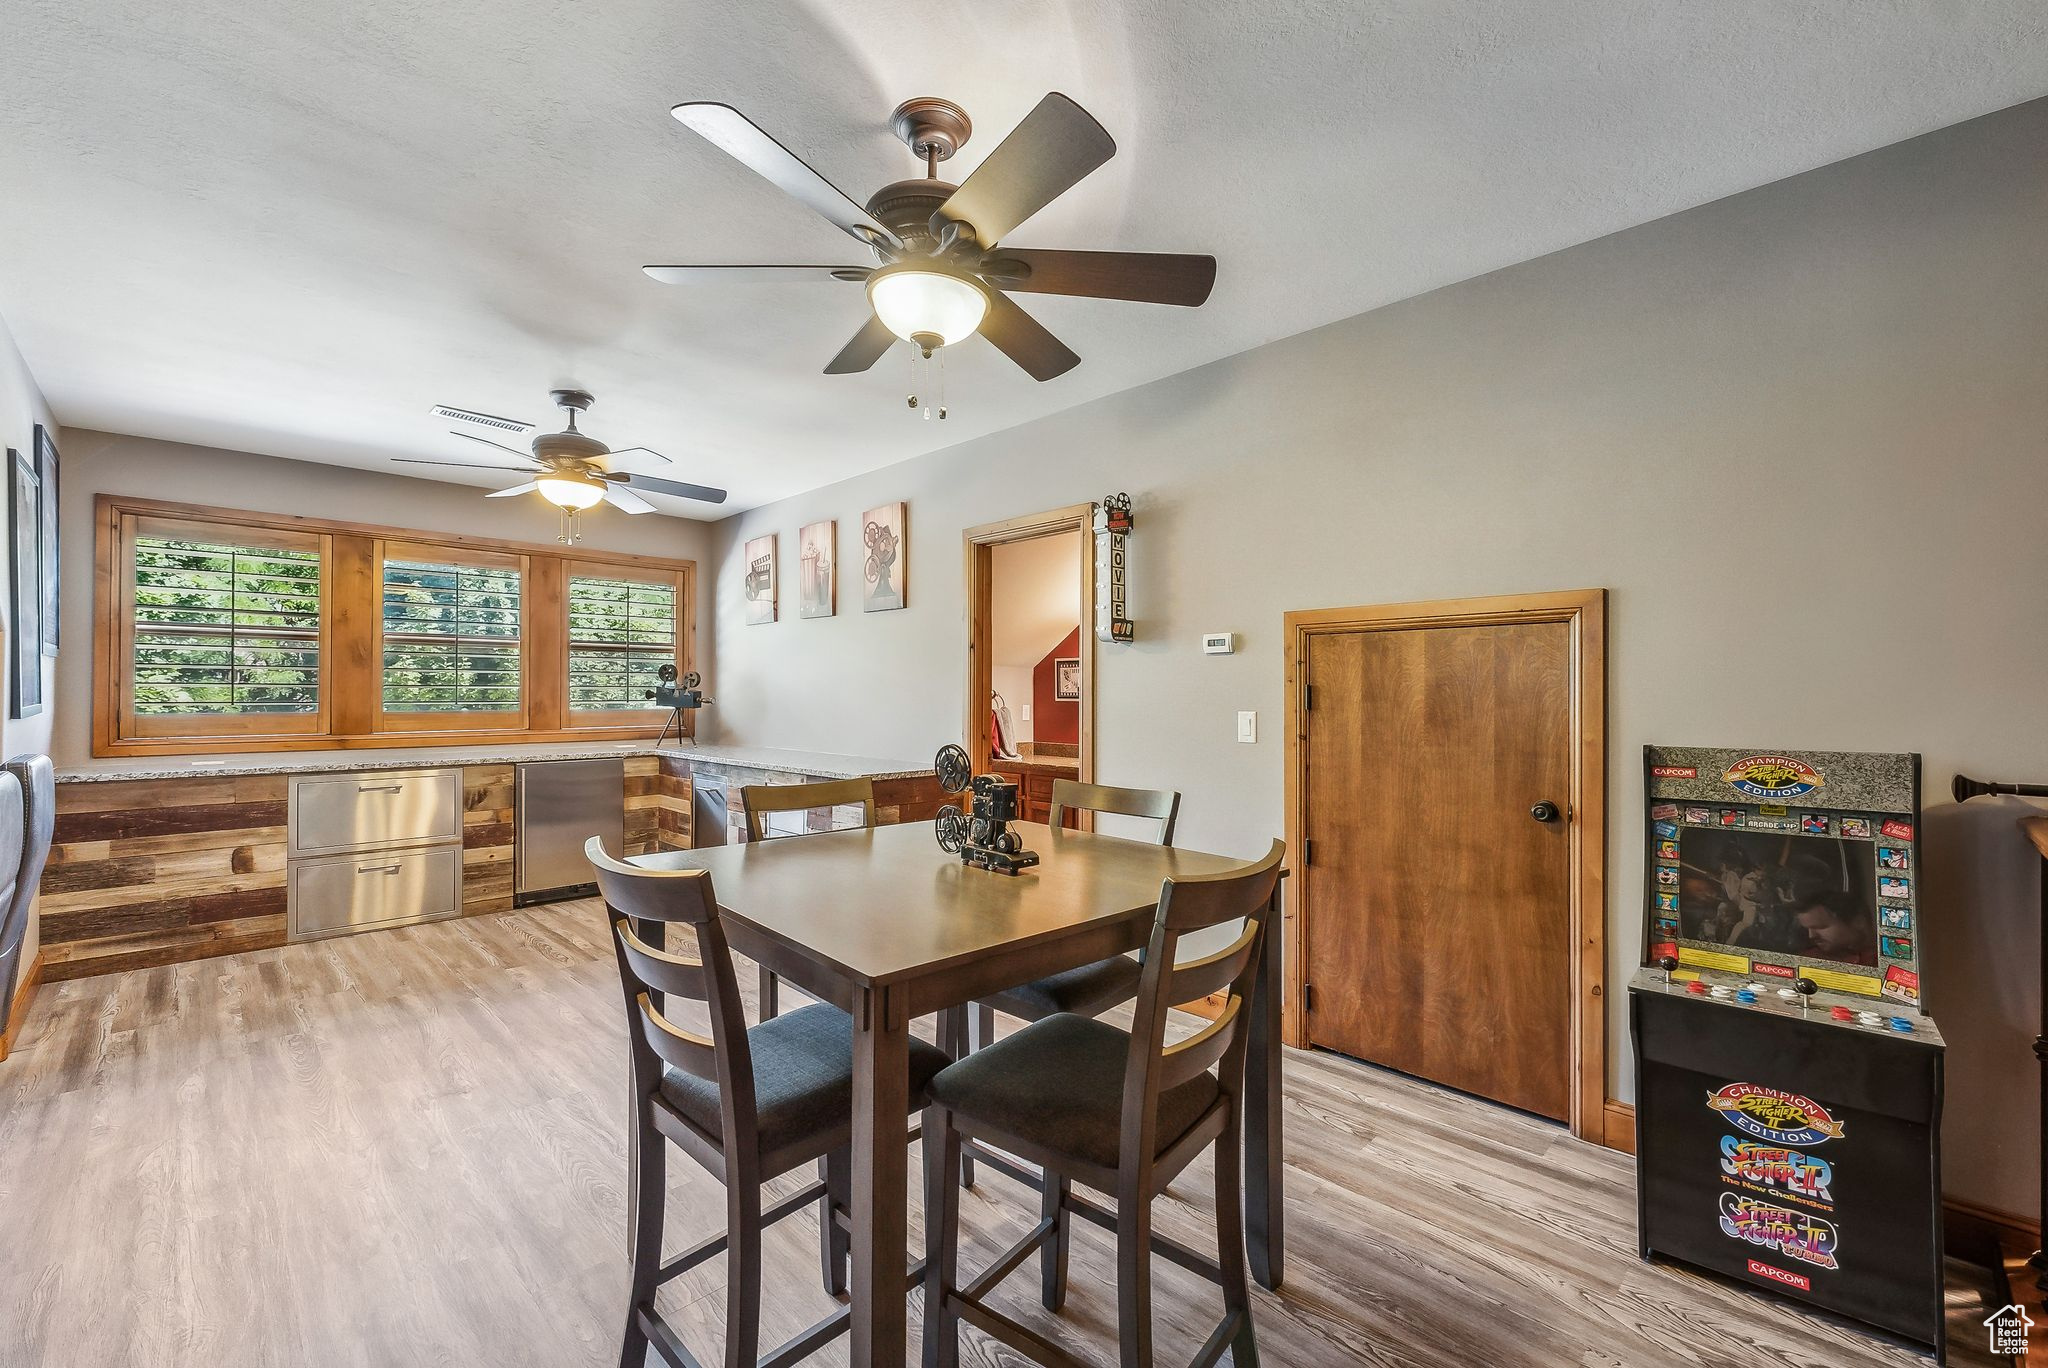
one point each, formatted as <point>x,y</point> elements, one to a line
<point>570,490</point>
<point>926,307</point>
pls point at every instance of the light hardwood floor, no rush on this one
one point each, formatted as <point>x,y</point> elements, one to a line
<point>407,1148</point>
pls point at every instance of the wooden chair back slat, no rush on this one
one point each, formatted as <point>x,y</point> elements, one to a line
<point>1181,1062</point>
<point>757,801</point>
<point>661,970</point>
<point>1196,979</point>
<point>1161,805</point>
<point>1195,903</point>
<point>686,1050</point>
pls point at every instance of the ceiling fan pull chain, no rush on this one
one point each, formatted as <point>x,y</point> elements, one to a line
<point>942,387</point>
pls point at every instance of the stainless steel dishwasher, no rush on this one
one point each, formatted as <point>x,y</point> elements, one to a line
<point>560,804</point>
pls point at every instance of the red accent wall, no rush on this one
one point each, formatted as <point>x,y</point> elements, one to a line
<point>1055,719</point>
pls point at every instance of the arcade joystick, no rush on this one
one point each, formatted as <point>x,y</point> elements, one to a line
<point>1667,963</point>
<point>1806,988</point>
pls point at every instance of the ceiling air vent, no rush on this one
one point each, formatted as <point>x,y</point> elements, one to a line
<point>489,420</point>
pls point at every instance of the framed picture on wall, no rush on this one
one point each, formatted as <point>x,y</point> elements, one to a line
<point>52,564</point>
<point>884,567</point>
<point>25,532</point>
<point>1066,678</point>
<point>816,594</point>
<point>761,580</point>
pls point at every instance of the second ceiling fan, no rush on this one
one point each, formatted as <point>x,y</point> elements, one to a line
<point>943,273</point>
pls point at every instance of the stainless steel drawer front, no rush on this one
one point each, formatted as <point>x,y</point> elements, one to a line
<point>355,811</point>
<point>355,892</point>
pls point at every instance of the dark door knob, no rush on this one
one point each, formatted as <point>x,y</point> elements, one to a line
<point>1544,812</point>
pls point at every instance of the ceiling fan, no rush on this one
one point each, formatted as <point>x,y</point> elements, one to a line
<point>568,467</point>
<point>943,274</point>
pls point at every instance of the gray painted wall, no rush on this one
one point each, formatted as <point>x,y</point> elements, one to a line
<point>1797,433</point>
<point>101,462</point>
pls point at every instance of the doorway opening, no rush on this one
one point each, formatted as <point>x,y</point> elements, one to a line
<point>1446,810</point>
<point>1030,652</point>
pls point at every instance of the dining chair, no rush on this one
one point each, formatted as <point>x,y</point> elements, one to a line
<point>759,801</point>
<point>1094,988</point>
<point>748,1105</point>
<point>1121,1112</point>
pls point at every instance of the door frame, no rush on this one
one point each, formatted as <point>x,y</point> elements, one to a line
<point>1585,612</point>
<point>980,543</point>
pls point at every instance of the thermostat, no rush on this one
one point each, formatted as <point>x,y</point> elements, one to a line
<point>1219,643</point>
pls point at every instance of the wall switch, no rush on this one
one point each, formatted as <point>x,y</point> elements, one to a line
<point>1219,643</point>
<point>1248,726</point>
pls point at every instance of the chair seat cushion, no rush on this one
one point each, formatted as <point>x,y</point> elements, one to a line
<point>1089,990</point>
<point>803,1078</point>
<point>1059,1084</point>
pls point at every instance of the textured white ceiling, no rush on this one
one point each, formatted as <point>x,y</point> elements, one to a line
<point>291,226</point>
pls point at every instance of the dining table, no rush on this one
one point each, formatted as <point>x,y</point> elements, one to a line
<point>884,924</point>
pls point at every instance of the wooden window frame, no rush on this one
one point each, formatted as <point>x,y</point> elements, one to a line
<point>213,727</point>
<point>413,723</point>
<point>350,714</point>
<point>575,718</point>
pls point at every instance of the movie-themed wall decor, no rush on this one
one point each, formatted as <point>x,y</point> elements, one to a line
<point>1788,1082</point>
<point>25,533</point>
<point>1112,608</point>
<point>52,563</point>
<point>885,548</point>
<point>760,585</point>
<point>817,565</point>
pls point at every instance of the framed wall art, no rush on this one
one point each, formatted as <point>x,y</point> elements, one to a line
<point>817,554</point>
<point>25,533</point>
<point>761,580</point>
<point>885,565</point>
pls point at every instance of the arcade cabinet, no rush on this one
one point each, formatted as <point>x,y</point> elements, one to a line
<point>1788,1084</point>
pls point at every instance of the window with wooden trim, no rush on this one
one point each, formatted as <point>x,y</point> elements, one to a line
<point>218,630</point>
<point>621,630</point>
<point>452,629</point>
<point>224,630</point>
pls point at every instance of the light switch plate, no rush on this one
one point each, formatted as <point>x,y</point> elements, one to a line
<point>1248,726</point>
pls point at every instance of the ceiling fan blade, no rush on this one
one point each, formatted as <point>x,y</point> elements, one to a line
<point>459,465</point>
<point>526,488</point>
<point>1148,277</point>
<point>654,484</point>
<point>864,350</point>
<point>620,451</point>
<point>1057,144</point>
<point>738,136</point>
<point>626,499</point>
<point>1023,339</point>
<point>753,274</point>
<point>471,436</point>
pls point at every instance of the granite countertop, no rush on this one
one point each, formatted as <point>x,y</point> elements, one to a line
<point>814,763</point>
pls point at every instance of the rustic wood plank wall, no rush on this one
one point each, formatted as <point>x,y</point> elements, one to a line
<point>674,795</point>
<point>159,871</point>
<point>486,839</point>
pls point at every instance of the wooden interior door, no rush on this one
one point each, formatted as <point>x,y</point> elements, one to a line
<point>1438,931</point>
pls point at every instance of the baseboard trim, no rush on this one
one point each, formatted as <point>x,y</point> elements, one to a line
<point>1967,1222</point>
<point>17,1011</point>
<point>1618,1126</point>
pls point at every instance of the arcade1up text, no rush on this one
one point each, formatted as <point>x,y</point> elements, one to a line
<point>1788,1085</point>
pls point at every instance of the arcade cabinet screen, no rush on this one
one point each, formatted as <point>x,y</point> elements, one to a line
<point>1810,896</point>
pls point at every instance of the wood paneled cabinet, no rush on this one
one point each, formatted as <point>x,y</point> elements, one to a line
<point>1034,787</point>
